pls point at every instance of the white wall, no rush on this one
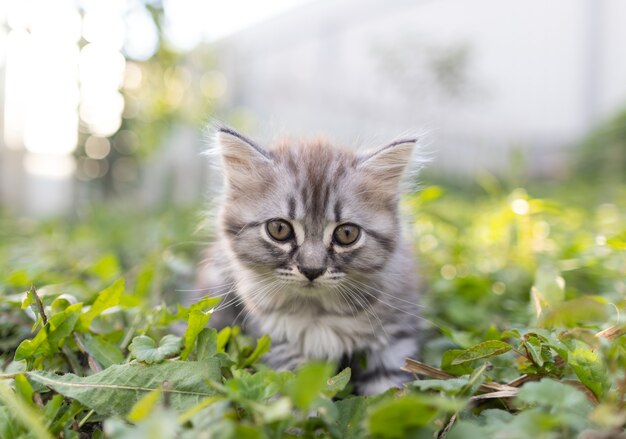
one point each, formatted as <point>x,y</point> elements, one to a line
<point>539,75</point>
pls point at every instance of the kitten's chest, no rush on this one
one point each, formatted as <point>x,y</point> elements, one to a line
<point>326,336</point>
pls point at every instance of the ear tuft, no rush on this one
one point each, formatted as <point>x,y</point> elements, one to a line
<point>392,164</point>
<point>243,161</point>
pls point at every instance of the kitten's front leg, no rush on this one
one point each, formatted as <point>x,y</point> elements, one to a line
<point>383,367</point>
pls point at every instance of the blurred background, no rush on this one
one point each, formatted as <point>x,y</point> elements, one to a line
<point>106,100</point>
<point>104,106</point>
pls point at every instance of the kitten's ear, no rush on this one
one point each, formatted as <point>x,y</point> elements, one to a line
<point>244,162</point>
<point>388,165</point>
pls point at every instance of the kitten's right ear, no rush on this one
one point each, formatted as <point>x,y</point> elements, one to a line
<point>244,162</point>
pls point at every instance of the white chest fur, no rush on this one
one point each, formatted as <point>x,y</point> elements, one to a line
<point>322,336</point>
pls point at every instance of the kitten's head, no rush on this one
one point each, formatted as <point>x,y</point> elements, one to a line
<point>310,214</point>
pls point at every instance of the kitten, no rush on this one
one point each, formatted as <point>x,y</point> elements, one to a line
<point>309,250</point>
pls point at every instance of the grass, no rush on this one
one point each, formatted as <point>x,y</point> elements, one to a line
<point>523,295</point>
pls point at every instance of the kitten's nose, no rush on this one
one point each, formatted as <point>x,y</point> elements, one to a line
<point>311,273</point>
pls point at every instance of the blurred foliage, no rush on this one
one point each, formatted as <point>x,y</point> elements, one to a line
<point>169,90</point>
<point>523,292</point>
<point>602,154</point>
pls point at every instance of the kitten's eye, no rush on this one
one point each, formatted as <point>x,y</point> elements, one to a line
<point>346,234</point>
<point>279,229</point>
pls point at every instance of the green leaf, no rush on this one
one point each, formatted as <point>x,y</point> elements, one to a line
<point>309,382</point>
<point>453,386</point>
<point>115,390</point>
<point>222,338</point>
<point>446,363</point>
<point>30,300</point>
<point>18,279</point>
<point>263,345</point>
<point>276,410</point>
<point>107,298</point>
<point>51,336</point>
<point>350,423</point>
<point>104,352</point>
<point>106,268</point>
<point>399,417</point>
<point>145,349</point>
<point>533,346</point>
<point>259,386</point>
<point>485,349</point>
<point>23,413</point>
<point>586,309</point>
<point>61,325</point>
<point>24,389</point>
<point>553,394</point>
<point>52,407</point>
<point>144,406</point>
<point>199,315</point>
<point>589,368</point>
<point>207,343</point>
<point>338,382</point>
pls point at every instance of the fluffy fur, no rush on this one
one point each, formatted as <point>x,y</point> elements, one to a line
<point>361,300</point>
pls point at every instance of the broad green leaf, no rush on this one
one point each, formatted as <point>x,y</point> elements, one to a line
<point>590,369</point>
<point>310,380</point>
<point>107,298</point>
<point>482,350</point>
<point>115,390</point>
<point>263,345</point>
<point>199,315</point>
<point>399,417</point>
<point>105,353</point>
<point>145,349</point>
<point>144,406</point>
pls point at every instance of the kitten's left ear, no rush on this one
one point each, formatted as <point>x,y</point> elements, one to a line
<point>389,164</point>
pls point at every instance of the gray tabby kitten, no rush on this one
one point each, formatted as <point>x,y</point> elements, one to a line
<point>310,251</point>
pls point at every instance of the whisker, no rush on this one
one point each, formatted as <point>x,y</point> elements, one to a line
<point>369,309</point>
<point>396,308</point>
<point>387,294</point>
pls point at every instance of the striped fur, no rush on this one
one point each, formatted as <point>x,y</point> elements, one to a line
<point>365,300</point>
